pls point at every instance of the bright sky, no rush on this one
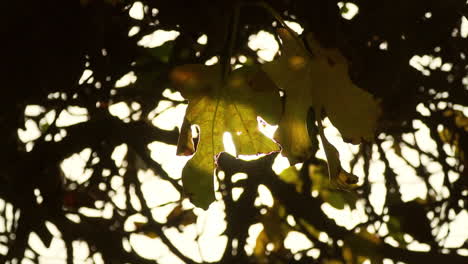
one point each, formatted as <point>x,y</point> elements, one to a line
<point>210,223</point>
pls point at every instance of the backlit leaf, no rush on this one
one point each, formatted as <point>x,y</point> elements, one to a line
<point>217,106</point>
<point>320,80</point>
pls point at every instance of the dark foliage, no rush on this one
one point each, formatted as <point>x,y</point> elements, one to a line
<point>47,45</point>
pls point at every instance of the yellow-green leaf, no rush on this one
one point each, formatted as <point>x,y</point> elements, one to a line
<point>320,79</point>
<point>217,106</point>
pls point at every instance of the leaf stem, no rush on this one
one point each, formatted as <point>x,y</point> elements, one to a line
<point>230,40</point>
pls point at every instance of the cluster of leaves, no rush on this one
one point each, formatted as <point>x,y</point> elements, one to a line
<point>316,80</point>
<point>49,45</point>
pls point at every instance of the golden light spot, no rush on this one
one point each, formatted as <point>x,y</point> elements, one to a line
<point>183,77</point>
<point>297,62</point>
